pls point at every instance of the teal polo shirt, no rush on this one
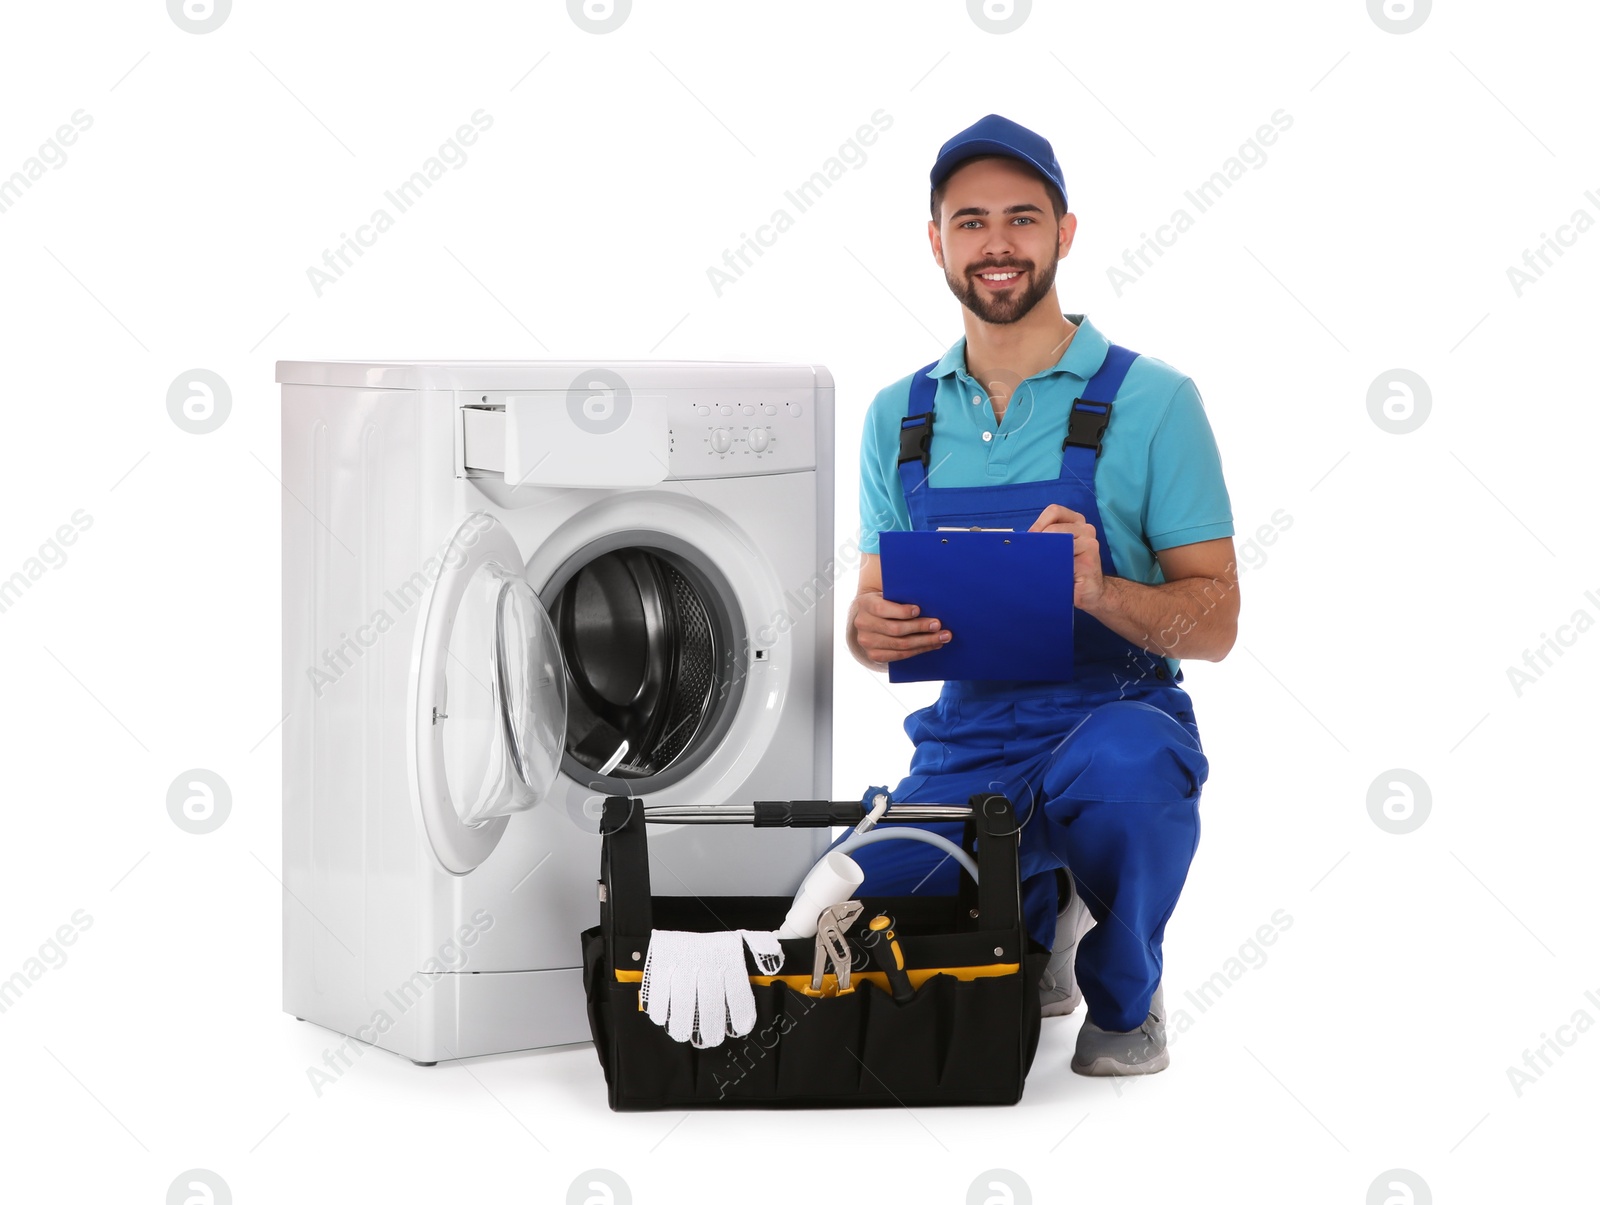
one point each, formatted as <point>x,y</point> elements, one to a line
<point>1158,481</point>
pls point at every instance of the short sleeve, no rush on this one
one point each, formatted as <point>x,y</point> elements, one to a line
<point>1187,500</point>
<point>883,503</point>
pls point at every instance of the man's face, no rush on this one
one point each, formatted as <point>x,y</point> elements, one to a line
<point>998,239</point>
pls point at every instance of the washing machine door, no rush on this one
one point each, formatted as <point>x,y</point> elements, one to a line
<point>488,696</point>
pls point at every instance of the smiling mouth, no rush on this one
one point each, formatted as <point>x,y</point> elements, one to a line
<point>999,279</point>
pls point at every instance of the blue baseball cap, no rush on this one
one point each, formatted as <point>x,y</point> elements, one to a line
<point>996,135</point>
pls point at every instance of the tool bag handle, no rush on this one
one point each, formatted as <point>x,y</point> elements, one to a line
<point>993,903</point>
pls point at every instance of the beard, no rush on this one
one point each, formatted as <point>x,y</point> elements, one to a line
<point>1002,308</point>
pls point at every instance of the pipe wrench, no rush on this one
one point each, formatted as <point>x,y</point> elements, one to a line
<point>832,948</point>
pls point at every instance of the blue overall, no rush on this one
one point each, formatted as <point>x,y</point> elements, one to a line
<point>1105,769</point>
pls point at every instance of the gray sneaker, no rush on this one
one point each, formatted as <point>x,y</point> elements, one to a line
<point>1058,986</point>
<point>1137,1052</point>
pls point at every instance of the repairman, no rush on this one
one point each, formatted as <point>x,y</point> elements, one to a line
<point>1040,424</point>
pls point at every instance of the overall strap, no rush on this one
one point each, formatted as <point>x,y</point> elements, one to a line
<point>916,430</point>
<point>1091,413</point>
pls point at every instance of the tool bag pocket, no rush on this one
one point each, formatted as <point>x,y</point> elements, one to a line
<point>966,1035</point>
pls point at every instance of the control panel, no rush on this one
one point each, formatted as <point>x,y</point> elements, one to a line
<point>767,432</point>
<point>707,432</point>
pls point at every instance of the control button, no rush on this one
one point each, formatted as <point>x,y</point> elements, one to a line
<point>724,409</point>
<point>769,410</point>
<point>721,439</point>
<point>747,409</point>
<point>987,436</point>
<point>795,409</point>
<point>758,439</point>
<point>702,411</point>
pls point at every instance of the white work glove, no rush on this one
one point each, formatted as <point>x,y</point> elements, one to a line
<point>686,980</point>
<point>768,953</point>
<point>741,999</point>
<point>695,985</point>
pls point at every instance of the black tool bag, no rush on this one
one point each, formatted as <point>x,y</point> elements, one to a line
<point>966,1035</point>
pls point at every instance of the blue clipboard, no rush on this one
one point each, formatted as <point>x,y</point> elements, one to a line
<point>1006,597</point>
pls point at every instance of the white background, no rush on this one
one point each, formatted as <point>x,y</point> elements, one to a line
<point>1376,634</point>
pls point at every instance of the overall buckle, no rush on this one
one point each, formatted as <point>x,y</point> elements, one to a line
<point>1086,425</point>
<point>916,438</point>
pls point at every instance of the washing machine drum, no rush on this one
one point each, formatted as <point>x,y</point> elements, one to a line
<point>642,656</point>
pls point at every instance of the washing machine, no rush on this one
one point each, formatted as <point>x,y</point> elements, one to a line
<point>511,589</point>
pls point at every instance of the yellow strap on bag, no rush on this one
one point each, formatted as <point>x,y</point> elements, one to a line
<point>830,982</point>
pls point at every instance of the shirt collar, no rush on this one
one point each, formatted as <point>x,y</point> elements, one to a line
<point>1082,359</point>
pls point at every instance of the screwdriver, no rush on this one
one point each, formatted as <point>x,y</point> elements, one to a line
<point>891,961</point>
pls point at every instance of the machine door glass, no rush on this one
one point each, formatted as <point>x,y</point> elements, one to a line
<point>490,714</point>
<point>650,635</point>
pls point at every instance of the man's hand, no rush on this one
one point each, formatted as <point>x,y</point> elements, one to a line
<point>887,631</point>
<point>878,631</point>
<point>1088,584</point>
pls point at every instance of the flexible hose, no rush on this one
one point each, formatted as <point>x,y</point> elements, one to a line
<point>910,834</point>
